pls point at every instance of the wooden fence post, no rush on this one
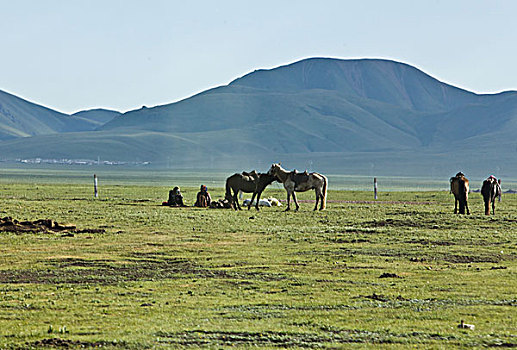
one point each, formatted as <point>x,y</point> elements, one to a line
<point>95,183</point>
<point>375,188</point>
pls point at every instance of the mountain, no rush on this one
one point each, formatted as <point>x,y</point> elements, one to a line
<point>97,116</point>
<point>21,118</point>
<point>353,116</point>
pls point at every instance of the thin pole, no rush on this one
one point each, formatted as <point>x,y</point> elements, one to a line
<point>95,183</point>
<point>375,188</point>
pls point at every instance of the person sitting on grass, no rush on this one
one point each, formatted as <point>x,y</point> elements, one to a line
<point>203,198</point>
<point>175,198</point>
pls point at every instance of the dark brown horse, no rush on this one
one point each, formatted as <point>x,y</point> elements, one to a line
<point>460,189</point>
<point>490,190</point>
<point>252,182</point>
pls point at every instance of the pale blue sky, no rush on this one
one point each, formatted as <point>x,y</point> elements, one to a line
<point>71,55</point>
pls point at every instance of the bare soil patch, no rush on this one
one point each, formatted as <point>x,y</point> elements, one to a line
<point>395,223</point>
<point>67,344</point>
<point>82,271</point>
<point>8,224</point>
<point>389,275</point>
<point>272,339</point>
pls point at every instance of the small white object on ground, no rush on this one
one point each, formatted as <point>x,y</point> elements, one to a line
<point>262,202</point>
<point>466,326</point>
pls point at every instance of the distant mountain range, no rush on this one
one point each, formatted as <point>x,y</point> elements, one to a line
<point>363,116</point>
<point>20,118</point>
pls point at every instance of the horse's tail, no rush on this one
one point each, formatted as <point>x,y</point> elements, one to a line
<point>498,190</point>
<point>324,192</point>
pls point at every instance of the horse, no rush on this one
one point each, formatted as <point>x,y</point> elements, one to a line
<point>252,182</point>
<point>490,190</point>
<point>300,182</point>
<point>460,189</point>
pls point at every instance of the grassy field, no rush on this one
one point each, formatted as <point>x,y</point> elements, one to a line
<point>397,273</point>
<point>33,174</point>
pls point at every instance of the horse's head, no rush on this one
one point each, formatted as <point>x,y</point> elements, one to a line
<point>274,169</point>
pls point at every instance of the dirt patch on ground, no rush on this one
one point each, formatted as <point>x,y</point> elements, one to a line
<point>81,271</point>
<point>467,259</point>
<point>67,344</point>
<point>328,336</point>
<point>381,297</point>
<point>395,223</point>
<point>412,255</point>
<point>389,275</point>
<point>428,242</point>
<point>272,339</point>
<point>348,240</point>
<point>8,224</point>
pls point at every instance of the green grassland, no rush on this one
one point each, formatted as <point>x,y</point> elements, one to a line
<point>397,273</point>
<point>114,175</point>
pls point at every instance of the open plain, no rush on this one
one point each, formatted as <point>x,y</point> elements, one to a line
<point>399,272</point>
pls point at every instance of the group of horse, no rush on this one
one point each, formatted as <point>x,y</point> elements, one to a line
<point>490,190</point>
<point>293,182</point>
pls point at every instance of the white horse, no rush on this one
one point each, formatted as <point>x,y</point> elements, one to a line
<point>301,182</point>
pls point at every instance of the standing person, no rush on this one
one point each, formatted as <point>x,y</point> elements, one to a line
<point>203,198</point>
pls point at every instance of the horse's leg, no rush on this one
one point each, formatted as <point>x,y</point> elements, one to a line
<point>317,199</point>
<point>258,200</point>
<point>487,206</point>
<point>233,199</point>
<point>295,201</point>
<point>455,205</point>
<point>323,191</point>
<point>236,200</point>
<point>467,207</point>
<point>461,204</point>
<point>288,201</point>
<point>493,206</point>
<point>251,201</point>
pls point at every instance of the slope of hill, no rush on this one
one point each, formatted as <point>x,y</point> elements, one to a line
<point>21,118</point>
<point>381,80</point>
<point>341,115</point>
<point>97,117</point>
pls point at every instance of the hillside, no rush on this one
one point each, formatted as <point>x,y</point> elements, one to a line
<point>352,116</point>
<point>21,118</point>
<point>97,117</point>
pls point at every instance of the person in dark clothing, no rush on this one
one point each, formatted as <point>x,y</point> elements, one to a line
<point>203,198</point>
<point>175,198</point>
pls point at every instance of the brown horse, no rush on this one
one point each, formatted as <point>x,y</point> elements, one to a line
<point>490,190</point>
<point>460,189</point>
<point>301,182</point>
<point>252,182</point>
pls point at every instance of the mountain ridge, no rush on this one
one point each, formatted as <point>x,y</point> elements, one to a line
<point>311,107</point>
<point>22,118</point>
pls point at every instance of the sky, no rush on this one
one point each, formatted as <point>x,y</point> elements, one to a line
<point>72,55</point>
